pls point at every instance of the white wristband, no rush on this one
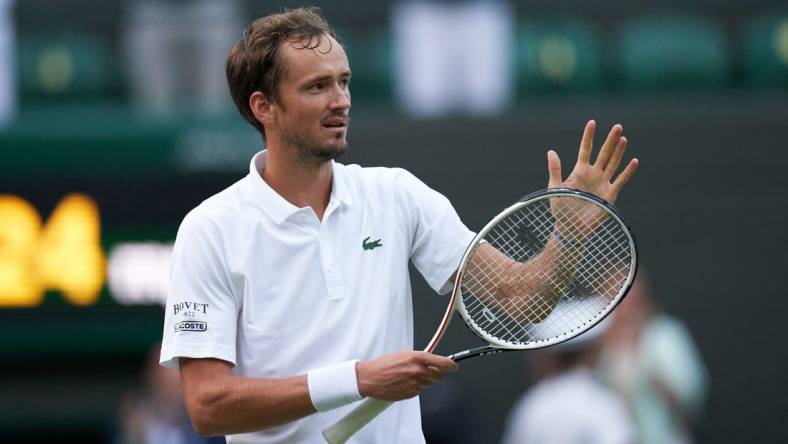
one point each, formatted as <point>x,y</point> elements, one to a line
<point>333,386</point>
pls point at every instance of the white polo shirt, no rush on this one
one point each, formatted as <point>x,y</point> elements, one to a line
<point>268,287</point>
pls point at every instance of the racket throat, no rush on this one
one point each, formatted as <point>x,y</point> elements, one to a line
<point>473,352</point>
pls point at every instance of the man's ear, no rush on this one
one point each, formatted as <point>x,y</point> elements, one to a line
<point>261,107</point>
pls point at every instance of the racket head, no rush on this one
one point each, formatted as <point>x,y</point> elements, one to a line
<point>605,266</point>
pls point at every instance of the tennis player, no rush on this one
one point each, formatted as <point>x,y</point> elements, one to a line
<point>290,296</point>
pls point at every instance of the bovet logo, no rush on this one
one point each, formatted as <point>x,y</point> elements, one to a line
<point>191,326</point>
<point>189,307</point>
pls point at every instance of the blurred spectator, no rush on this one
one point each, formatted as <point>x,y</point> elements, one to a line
<point>156,414</point>
<point>453,56</point>
<point>651,360</point>
<point>176,51</point>
<point>7,63</point>
<point>568,405</point>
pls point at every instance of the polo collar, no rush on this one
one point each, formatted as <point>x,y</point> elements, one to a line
<point>261,195</point>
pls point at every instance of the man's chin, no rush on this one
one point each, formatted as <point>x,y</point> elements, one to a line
<point>331,151</point>
<point>318,152</point>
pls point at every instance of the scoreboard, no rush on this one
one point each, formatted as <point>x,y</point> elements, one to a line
<point>89,210</point>
<point>65,254</point>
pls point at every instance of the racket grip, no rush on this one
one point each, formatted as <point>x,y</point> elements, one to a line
<point>354,421</point>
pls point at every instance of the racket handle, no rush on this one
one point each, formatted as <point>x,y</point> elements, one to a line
<point>478,351</point>
<point>354,421</point>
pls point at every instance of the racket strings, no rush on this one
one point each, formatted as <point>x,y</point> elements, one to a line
<point>511,293</point>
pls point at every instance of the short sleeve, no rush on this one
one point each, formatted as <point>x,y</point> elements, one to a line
<point>201,314</point>
<point>439,238</point>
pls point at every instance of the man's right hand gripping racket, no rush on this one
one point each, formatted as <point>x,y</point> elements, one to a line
<point>557,247</point>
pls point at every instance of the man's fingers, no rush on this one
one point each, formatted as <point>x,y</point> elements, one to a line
<point>609,146</point>
<point>615,160</point>
<point>432,375</point>
<point>435,373</point>
<point>553,169</point>
<point>440,362</point>
<point>625,175</point>
<point>586,143</point>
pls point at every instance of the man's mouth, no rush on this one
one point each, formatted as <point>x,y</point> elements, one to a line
<point>336,123</point>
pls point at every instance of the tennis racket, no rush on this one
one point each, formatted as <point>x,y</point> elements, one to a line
<point>543,271</point>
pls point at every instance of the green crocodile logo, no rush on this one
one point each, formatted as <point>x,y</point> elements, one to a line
<point>366,245</point>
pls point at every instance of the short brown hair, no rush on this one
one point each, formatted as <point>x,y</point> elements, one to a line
<point>254,62</point>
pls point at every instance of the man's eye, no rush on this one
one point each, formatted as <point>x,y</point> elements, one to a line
<point>316,87</point>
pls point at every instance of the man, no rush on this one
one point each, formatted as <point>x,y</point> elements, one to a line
<point>289,290</point>
<point>568,404</point>
<point>651,359</point>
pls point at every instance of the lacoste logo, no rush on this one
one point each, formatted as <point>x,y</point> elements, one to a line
<point>191,326</point>
<point>366,245</point>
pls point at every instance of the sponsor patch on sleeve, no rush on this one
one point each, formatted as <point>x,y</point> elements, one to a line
<point>191,326</point>
<point>189,309</point>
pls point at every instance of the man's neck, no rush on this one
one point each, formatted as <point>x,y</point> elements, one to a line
<point>298,182</point>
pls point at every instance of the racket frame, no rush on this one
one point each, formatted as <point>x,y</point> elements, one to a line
<point>496,345</point>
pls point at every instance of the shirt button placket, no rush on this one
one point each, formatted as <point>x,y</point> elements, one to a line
<point>331,270</point>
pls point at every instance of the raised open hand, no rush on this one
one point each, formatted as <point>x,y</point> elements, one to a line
<point>596,178</point>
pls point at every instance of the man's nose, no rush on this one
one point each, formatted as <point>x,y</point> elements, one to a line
<point>341,99</point>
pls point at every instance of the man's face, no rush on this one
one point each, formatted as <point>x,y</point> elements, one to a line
<point>312,115</point>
